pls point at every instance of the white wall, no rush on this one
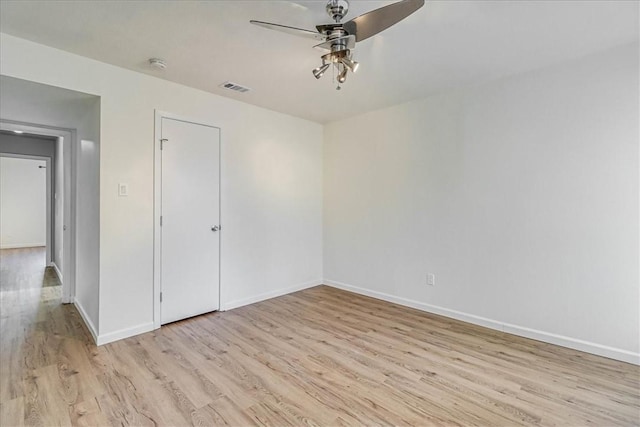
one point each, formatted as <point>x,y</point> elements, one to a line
<point>87,219</point>
<point>521,196</point>
<point>23,203</point>
<point>271,184</point>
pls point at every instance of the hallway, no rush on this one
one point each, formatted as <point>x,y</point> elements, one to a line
<point>35,328</point>
<point>25,269</point>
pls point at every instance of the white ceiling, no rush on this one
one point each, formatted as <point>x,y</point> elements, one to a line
<point>445,44</point>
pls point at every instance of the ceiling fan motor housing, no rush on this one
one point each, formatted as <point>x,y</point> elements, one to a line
<point>338,44</point>
<point>337,9</point>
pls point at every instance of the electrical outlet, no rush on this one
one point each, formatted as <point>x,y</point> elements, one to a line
<point>431,279</point>
<point>123,190</point>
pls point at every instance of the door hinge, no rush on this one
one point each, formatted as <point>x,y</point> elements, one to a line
<point>162,141</point>
<point>160,296</point>
<point>160,220</point>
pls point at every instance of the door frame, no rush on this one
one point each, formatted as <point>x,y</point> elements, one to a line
<point>70,145</point>
<point>157,207</point>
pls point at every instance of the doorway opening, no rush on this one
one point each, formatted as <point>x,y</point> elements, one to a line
<point>25,140</point>
<point>26,219</point>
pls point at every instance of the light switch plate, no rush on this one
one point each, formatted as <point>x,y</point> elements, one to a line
<point>123,190</point>
<point>431,279</point>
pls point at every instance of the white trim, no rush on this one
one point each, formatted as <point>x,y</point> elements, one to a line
<point>58,272</point>
<point>23,245</point>
<point>87,320</point>
<point>268,295</point>
<point>573,343</point>
<point>125,333</point>
<point>157,207</point>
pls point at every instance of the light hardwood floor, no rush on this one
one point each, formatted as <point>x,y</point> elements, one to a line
<point>316,357</point>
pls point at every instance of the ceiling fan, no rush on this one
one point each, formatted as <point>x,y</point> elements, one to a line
<point>339,38</point>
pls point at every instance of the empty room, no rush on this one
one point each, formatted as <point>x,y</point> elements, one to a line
<point>322,213</point>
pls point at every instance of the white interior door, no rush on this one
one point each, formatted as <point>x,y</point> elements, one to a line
<point>190,236</point>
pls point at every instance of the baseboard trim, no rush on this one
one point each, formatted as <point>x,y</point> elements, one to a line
<point>57,270</point>
<point>87,320</point>
<point>148,327</point>
<point>124,333</point>
<point>268,295</point>
<point>551,338</point>
<point>22,245</point>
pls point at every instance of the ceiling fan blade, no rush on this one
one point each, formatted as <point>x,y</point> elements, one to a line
<point>290,30</point>
<point>371,23</point>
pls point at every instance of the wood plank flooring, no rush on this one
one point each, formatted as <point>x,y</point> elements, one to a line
<point>319,357</point>
<point>20,268</point>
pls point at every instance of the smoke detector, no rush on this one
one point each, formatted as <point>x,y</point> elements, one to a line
<point>158,63</point>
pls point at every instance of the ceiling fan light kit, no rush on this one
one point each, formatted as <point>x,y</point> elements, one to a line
<point>318,72</point>
<point>339,39</point>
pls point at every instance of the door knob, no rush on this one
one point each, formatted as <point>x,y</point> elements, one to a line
<point>215,228</point>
